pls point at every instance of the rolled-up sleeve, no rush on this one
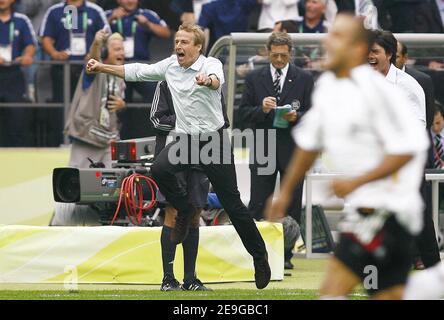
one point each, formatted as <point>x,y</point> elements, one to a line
<point>147,72</point>
<point>214,66</point>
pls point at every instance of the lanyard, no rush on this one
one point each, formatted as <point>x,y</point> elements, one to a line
<point>84,22</point>
<point>11,32</point>
<point>110,86</point>
<point>120,27</point>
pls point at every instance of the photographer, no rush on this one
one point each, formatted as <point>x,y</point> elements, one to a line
<point>92,123</point>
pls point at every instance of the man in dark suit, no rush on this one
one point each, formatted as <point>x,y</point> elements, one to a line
<point>276,84</point>
<point>426,241</point>
<point>428,18</point>
<point>397,15</point>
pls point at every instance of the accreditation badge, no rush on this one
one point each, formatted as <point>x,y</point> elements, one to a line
<point>6,53</point>
<point>129,47</point>
<point>78,44</point>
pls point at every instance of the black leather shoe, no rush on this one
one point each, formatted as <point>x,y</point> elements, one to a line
<point>195,285</point>
<point>262,272</point>
<point>169,283</point>
<point>288,265</point>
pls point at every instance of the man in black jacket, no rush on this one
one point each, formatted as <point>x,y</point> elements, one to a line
<point>428,18</point>
<point>426,242</point>
<point>277,84</point>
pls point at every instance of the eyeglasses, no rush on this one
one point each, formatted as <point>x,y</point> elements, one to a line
<point>282,55</point>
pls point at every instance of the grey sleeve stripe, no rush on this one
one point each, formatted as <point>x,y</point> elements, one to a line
<point>154,107</point>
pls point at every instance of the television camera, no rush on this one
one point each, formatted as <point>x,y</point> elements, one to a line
<point>124,194</point>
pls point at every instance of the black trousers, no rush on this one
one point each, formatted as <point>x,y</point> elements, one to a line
<point>426,241</point>
<point>221,175</point>
<point>263,186</point>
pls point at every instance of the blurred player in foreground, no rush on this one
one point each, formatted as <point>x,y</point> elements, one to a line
<point>381,149</point>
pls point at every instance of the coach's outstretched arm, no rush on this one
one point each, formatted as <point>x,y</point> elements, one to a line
<point>94,66</point>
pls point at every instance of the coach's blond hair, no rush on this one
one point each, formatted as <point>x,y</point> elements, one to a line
<point>199,35</point>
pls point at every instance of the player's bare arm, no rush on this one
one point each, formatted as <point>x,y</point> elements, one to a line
<point>301,161</point>
<point>389,165</point>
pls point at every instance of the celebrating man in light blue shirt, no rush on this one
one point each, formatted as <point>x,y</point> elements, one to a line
<point>195,84</point>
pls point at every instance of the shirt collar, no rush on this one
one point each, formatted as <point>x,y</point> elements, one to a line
<point>197,65</point>
<point>435,134</point>
<point>284,70</point>
<point>392,74</point>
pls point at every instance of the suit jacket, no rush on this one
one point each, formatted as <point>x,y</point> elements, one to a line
<point>426,83</point>
<point>345,5</point>
<point>258,85</point>
<point>428,19</point>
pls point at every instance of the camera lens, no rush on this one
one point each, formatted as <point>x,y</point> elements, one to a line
<point>66,184</point>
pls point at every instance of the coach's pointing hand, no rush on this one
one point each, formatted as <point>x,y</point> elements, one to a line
<point>203,80</point>
<point>93,66</point>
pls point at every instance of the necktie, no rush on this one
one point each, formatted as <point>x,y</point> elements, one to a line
<point>277,84</point>
<point>439,152</point>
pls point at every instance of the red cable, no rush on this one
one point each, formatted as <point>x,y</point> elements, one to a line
<point>132,192</point>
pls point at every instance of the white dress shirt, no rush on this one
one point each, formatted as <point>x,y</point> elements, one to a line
<point>198,108</point>
<point>283,75</point>
<point>358,120</point>
<point>277,10</point>
<point>440,4</point>
<point>412,91</point>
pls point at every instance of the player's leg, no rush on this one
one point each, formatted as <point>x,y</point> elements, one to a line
<point>339,280</point>
<point>169,282</point>
<point>393,293</point>
<point>197,187</point>
<point>164,172</point>
<point>392,265</point>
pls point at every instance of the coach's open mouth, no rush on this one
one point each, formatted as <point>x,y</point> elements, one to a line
<point>373,62</point>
